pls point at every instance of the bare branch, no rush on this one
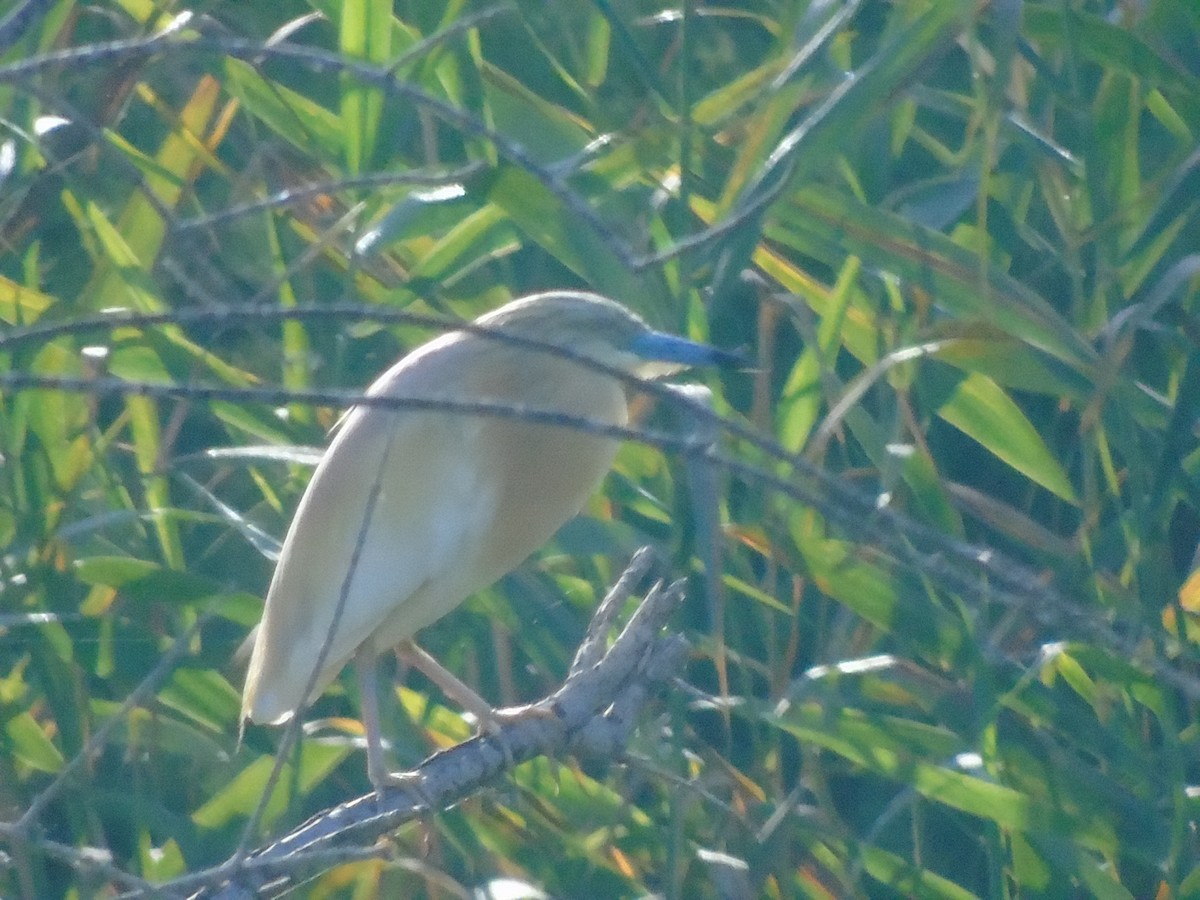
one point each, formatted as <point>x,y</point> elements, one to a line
<point>593,712</point>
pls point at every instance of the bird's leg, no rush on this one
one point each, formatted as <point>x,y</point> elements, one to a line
<point>377,771</point>
<point>449,683</point>
<point>368,691</point>
<point>490,720</point>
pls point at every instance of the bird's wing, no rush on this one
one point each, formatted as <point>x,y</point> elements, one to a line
<point>428,509</point>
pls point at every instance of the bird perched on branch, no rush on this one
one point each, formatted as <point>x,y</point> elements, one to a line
<point>411,511</point>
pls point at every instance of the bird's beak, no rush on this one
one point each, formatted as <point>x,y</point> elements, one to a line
<point>657,346</point>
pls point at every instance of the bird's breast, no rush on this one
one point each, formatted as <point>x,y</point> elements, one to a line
<point>543,473</point>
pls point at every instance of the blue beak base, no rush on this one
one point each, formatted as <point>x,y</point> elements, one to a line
<point>658,346</point>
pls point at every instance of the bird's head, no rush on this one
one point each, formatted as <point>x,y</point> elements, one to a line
<point>598,328</point>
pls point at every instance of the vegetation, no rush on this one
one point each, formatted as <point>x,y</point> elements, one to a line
<point>944,640</point>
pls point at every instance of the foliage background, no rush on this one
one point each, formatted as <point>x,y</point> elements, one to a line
<point>959,239</point>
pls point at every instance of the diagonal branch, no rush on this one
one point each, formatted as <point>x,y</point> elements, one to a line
<point>592,713</point>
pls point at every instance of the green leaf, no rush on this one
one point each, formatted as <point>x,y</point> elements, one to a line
<point>900,875</point>
<point>829,224</point>
<point>204,696</point>
<point>984,412</point>
<point>20,305</point>
<point>144,424</point>
<point>891,747</point>
<point>543,217</point>
<point>29,743</point>
<point>879,596</point>
<point>479,236</point>
<point>365,31</point>
<point>113,571</point>
<point>240,797</point>
<point>299,120</point>
<point>59,418</point>
<point>550,132</point>
<point>163,862</point>
<point>1106,43</point>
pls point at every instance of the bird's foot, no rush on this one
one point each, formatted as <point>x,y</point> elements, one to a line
<point>497,719</point>
<point>492,724</point>
<point>413,782</point>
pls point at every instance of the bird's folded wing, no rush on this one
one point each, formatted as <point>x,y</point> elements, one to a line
<point>405,467</point>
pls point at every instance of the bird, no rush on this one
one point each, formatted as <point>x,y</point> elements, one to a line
<point>410,511</point>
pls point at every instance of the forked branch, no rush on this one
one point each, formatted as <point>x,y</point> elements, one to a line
<point>592,714</point>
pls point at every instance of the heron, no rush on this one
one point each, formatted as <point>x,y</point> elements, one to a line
<point>412,510</point>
